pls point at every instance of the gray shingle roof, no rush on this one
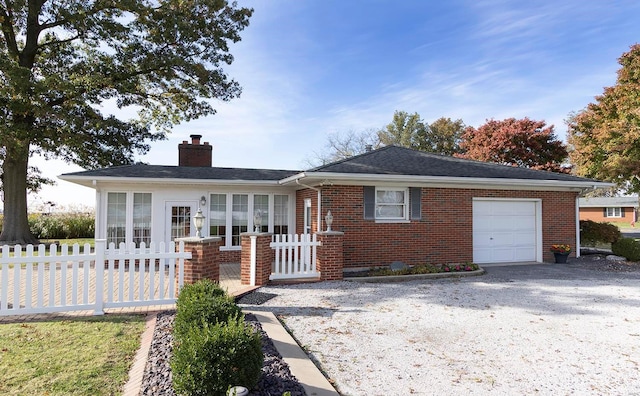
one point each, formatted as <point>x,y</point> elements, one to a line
<point>394,160</point>
<point>185,172</point>
<point>388,160</point>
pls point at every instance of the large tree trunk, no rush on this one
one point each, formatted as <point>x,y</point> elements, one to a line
<point>15,228</point>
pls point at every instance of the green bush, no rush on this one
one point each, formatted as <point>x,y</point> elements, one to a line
<point>592,233</point>
<point>202,302</point>
<point>628,248</point>
<point>208,359</point>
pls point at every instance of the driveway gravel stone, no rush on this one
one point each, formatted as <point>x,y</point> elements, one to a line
<point>543,329</point>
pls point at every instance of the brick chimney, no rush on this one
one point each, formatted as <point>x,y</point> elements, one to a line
<point>194,153</point>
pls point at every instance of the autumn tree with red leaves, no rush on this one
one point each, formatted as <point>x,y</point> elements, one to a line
<point>525,143</point>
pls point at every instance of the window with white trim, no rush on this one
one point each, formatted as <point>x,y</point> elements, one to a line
<point>613,212</point>
<point>142,218</point>
<point>239,217</point>
<point>231,214</point>
<point>129,217</point>
<point>392,204</point>
<point>116,217</point>
<point>218,216</point>
<point>280,214</point>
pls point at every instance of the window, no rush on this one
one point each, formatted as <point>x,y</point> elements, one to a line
<point>218,216</point>
<point>116,217</point>
<point>180,222</point>
<point>391,204</point>
<point>231,214</point>
<point>261,207</point>
<point>613,212</point>
<point>280,214</point>
<point>239,217</point>
<point>142,218</point>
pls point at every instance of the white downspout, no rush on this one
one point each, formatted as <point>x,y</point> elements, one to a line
<point>319,222</point>
<point>578,225</point>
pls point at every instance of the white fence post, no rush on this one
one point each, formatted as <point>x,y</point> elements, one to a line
<point>252,275</point>
<point>99,262</point>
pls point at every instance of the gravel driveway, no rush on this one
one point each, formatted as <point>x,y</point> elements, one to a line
<point>540,329</point>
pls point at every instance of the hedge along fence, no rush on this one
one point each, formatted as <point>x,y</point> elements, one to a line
<point>60,225</point>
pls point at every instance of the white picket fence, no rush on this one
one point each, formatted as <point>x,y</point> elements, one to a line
<point>45,281</point>
<point>295,256</point>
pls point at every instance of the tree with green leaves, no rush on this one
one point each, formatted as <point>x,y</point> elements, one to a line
<point>605,136</point>
<point>404,130</point>
<point>442,136</point>
<point>62,60</point>
<point>525,143</point>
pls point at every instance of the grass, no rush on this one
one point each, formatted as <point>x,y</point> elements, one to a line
<point>83,356</point>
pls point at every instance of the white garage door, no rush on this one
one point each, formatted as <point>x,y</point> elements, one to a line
<point>504,231</point>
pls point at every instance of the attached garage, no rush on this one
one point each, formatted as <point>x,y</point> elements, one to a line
<point>507,231</point>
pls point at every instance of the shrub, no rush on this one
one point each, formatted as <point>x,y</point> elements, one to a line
<point>202,302</point>
<point>209,359</point>
<point>628,248</point>
<point>591,232</point>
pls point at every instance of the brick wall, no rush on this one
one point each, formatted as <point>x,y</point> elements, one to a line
<point>229,256</point>
<point>597,214</point>
<point>443,235</point>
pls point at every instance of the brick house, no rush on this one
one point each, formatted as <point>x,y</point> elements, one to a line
<point>393,204</point>
<point>609,209</point>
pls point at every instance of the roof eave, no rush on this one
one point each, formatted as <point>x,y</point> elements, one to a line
<point>90,181</point>
<point>330,177</point>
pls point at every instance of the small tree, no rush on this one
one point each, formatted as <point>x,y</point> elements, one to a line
<point>524,143</point>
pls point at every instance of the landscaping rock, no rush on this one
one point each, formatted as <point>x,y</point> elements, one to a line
<point>275,380</point>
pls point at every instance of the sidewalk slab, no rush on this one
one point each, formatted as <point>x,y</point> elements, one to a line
<point>314,383</point>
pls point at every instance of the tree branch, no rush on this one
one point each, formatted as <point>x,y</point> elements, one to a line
<point>7,29</point>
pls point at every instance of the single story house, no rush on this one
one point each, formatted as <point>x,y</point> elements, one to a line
<point>609,209</point>
<point>393,204</point>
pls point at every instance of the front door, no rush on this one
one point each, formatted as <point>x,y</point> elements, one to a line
<point>179,220</point>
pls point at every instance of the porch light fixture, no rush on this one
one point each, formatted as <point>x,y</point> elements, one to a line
<point>329,220</point>
<point>198,221</point>
<point>257,220</point>
<point>203,200</point>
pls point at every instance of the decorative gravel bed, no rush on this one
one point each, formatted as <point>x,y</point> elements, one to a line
<point>275,380</point>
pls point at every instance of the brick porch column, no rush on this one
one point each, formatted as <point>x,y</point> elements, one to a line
<point>264,257</point>
<point>330,256</point>
<point>204,259</point>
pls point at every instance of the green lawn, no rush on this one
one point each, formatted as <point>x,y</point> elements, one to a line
<point>83,356</point>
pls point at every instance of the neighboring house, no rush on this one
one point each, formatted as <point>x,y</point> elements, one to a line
<point>393,204</point>
<point>609,209</point>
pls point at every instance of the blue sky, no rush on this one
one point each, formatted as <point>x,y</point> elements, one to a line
<point>312,68</point>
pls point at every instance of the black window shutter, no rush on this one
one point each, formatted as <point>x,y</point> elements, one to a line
<point>369,203</point>
<point>622,212</point>
<point>604,212</point>
<point>415,197</point>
